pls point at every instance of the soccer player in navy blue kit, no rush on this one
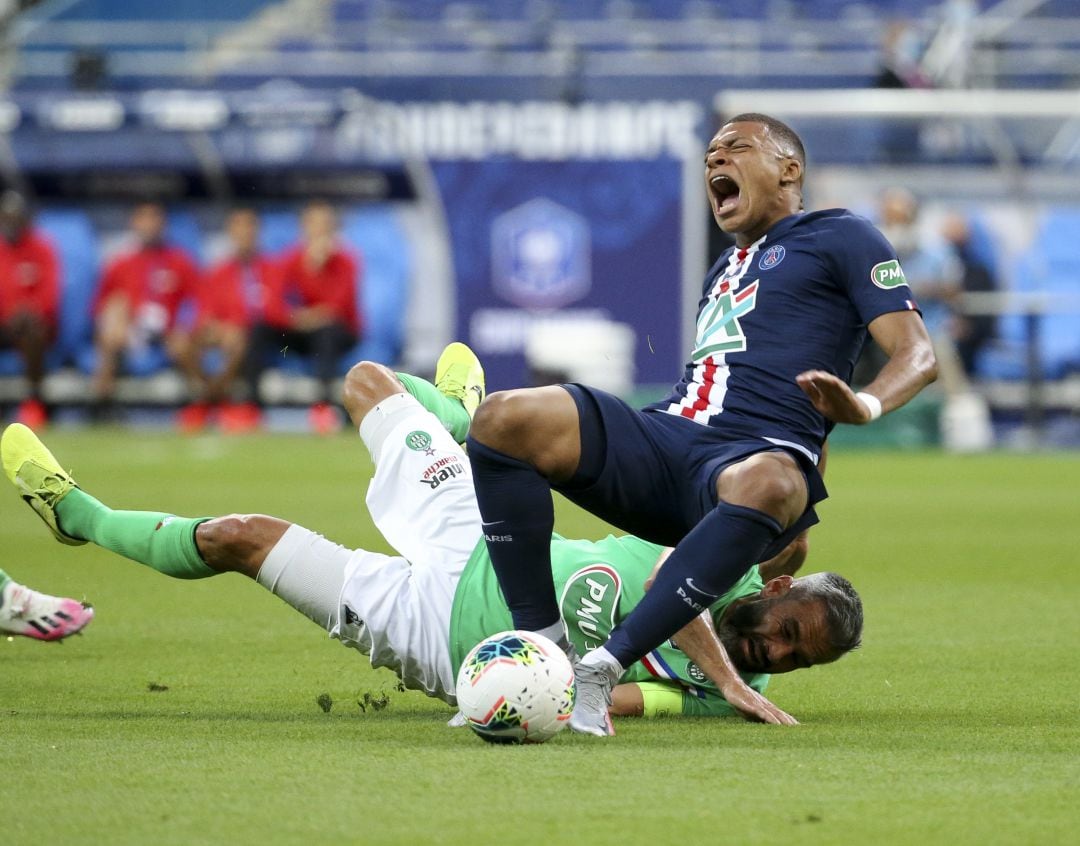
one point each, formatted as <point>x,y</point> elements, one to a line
<point>726,468</point>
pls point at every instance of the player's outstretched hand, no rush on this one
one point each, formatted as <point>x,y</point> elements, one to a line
<point>833,397</point>
<point>753,706</point>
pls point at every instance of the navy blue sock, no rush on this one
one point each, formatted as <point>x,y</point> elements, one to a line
<point>515,502</point>
<point>704,566</point>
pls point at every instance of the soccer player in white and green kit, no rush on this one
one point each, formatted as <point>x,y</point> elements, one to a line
<point>421,611</point>
<point>598,583</point>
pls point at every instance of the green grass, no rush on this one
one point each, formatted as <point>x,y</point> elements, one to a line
<point>956,722</point>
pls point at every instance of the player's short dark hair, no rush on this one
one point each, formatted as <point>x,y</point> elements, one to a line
<point>787,136</point>
<point>843,608</point>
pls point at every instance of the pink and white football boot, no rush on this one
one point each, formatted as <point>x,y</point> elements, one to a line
<point>28,613</point>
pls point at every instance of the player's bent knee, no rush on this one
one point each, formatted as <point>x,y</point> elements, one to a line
<point>494,419</point>
<point>237,542</point>
<point>536,425</point>
<point>768,483</point>
<point>506,421</point>
<point>366,384</point>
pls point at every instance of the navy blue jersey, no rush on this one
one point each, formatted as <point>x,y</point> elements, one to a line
<point>799,298</point>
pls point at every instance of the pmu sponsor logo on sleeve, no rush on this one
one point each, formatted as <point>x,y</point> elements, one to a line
<point>888,274</point>
<point>446,468</point>
<point>589,602</point>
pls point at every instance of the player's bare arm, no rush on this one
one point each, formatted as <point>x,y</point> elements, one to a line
<point>699,641</point>
<point>911,366</point>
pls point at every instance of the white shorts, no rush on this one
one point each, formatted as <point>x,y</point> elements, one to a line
<point>397,608</point>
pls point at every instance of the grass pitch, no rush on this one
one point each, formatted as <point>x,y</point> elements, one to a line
<point>188,712</point>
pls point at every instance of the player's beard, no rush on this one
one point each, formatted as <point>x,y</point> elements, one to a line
<point>739,625</point>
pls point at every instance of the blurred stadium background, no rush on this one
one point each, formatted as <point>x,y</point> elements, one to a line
<point>526,175</point>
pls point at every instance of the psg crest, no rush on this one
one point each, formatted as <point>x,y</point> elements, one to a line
<point>540,255</point>
<point>771,257</point>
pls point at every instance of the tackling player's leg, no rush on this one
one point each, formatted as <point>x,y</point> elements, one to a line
<point>303,569</point>
<point>458,389</point>
<point>520,442</point>
<point>29,613</point>
<point>759,498</point>
<point>162,541</point>
<point>453,399</point>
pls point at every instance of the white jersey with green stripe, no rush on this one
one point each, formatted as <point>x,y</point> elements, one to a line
<point>598,583</point>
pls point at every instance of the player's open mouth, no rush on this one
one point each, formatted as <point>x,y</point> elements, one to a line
<point>755,653</point>
<point>726,191</point>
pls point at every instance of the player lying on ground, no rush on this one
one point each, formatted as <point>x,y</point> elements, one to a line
<point>400,610</point>
<point>26,612</point>
<point>725,469</point>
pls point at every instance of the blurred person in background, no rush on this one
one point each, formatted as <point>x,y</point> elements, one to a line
<point>932,274</point>
<point>899,67</point>
<point>139,299</point>
<point>898,61</point>
<point>311,310</point>
<point>232,297</point>
<point>29,299</point>
<point>970,332</point>
<point>937,278</point>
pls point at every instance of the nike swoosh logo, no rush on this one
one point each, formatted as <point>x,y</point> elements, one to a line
<point>690,584</point>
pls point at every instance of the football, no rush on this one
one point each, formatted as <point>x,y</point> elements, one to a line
<point>516,687</point>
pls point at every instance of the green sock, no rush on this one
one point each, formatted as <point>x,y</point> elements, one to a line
<point>163,542</point>
<point>449,410</point>
<point>4,579</point>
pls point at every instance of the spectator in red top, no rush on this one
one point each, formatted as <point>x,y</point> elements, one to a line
<point>29,299</point>
<point>139,298</point>
<point>231,299</point>
<point>311,309</point>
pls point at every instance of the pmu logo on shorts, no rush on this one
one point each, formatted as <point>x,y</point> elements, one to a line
<point>771,257</point>
<point>418,441</point>
<point>540,255</point>
<point>888,274</point>
<point>589,602</point>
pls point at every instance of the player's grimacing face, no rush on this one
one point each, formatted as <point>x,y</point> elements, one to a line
<point>745,175</point>
<point>776,635</point>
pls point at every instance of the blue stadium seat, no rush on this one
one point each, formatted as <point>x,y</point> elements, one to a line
<point>154,10</point>
<point>1050,266</point>
<point>183,231</point>
<point>376,234</point>
<point>280,230</point>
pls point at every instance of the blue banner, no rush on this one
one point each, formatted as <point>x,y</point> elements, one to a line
<point>589,239</point>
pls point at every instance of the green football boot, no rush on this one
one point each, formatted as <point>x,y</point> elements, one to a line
<point>458,374</point>
<point>41,481</point>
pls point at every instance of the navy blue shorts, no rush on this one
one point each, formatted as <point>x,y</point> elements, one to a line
<point>654,474</point>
